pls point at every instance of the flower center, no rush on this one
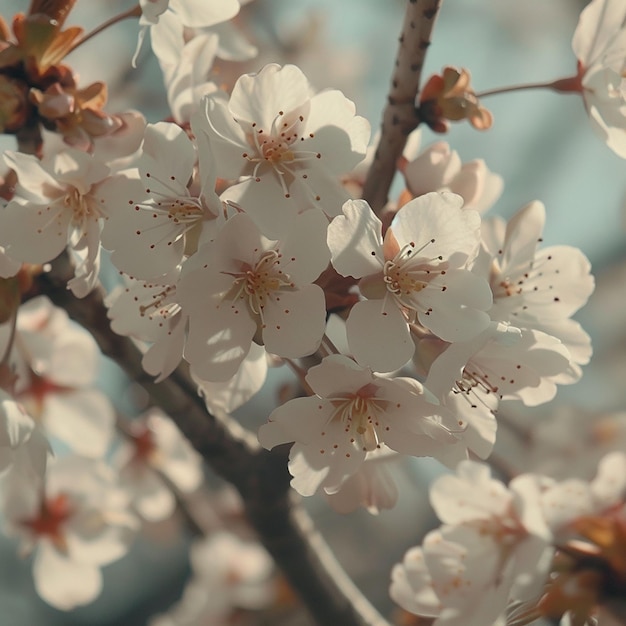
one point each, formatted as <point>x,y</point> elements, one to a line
<point>81,205</point>
<point>406,274</point>
<point>359,414</point>
<point>259,283</point>
<point>50,519</point>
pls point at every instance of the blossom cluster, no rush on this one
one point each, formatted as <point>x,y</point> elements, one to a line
<point>539,548</point>
<point>241,242</point>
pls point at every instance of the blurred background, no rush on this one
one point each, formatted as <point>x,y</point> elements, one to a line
<point>540,143</point>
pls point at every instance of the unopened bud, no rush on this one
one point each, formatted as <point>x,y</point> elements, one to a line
<point>449,97</point>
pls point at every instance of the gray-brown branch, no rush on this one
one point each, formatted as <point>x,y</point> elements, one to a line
<point>400,117</point>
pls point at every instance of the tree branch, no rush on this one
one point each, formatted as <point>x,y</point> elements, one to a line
<point>400,117</point>
<point>262,478</point>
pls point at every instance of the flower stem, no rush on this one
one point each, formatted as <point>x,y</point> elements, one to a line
<point>571,84</point>
<point>133,12</point>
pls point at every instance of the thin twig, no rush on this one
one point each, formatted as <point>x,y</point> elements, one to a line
<point>400,117</point>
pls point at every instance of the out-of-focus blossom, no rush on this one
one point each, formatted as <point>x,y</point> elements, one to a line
<point>56,365</point>
<point>599,44</point>
<point>494,545</point>
<point>79,523</point>
<point>228,574</point>
<point>153,451</point>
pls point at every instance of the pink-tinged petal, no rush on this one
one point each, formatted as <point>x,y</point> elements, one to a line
<point>337,452</point>
<point>337,374</point>
<point>239,242</point>
<point>302,420</point>
<point>305,254</point>
<point>34,233</point>
<point>307,480</point>
<point>411,585</point>
<point>84,420</point>
<point>571,334</point>
<point>294,322</point>
<point>439,216</point>
<point>469,495</point>
<point>163,357</point>
<point>340,136</point>
<point>493,232</point>
<point>260,97</point>
<point>62,582</point>
<point>379,336</point>
<point>598,24</point>
<point>523,234</point>
<point>124,141</point>
<point>448,366</point>
<point>167,159</point>
<point>145,243</point>
<point>607,121</point>
<point>79,169</point>
<point>85,255</point>
<point>372,487</point>
<point>479,187</point>
<point>217,344</point>
<point>228,140</point>
<point>264,202</point>
<point>433,169</point>
<point>35,184</point>
<point>230,395</point>
<point>355,240</point>
<point>318,188</point>
<point>456,313</point>
<point>207,167</point>
<point>167,40</point>
<point>530,369</point>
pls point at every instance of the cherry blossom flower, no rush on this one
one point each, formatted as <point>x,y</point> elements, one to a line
<point>535,288</point>
<point>502,363</point>
<point>56,363</point>
<point>79,524</point>
<point>494,545</point>
<point>160,221</point>
<point>417,274</point>
<point>288,146</point>
<point>57,205</point>
<point>353,413</point>
<point>599,44</point>
<point>244,287</point>
<point>228,573</point>
<point>154,450</point>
